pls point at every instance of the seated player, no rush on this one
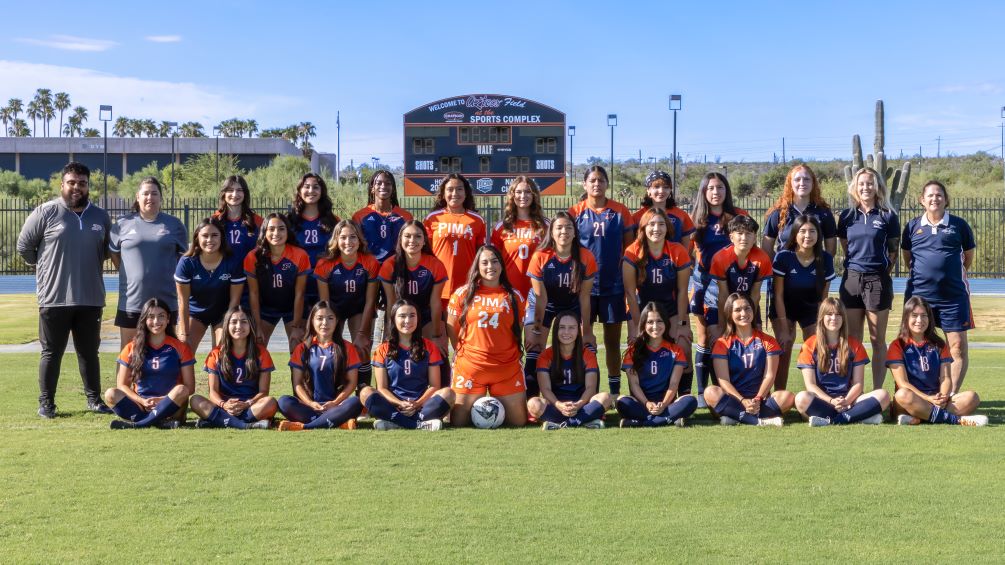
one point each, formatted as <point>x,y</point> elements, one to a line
<point>833,365</point>
<point>654,364</point>
<point>238,382</point>
<point>920,362</point>
<point>745,359</point>
<point>568,377</point>
<point>155,376</point>
<point>407,369</point>
<point>324,378</point>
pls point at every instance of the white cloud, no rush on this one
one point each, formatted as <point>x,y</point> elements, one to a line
<point>142,98</point>
<point>70,43</point>
<point>163,38</point>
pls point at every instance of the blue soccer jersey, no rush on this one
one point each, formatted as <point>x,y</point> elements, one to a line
<point>748,361</point>
<point>347,285</point>
<point>781,233</point>
<point>311,237</point>
<point>239,237</point>
<point>209,291</point>
<point>937,271</point>
<point>239,385</point>
<point>602,232</point>
<point>556,274</point>
<point>657,368</point>
<point>800,290</point>
<point>567,389</point>
<point>408,379</point>
<point>922,361</point>
<point>741,278</point>
<point>161,366</point>
<point>278,292</point>
<point>868,234</point>
<point>419,283</point>
<point>321,369</point>
<point>831,381</point>
<point>660,283</point>
<point>714,238</point>
<point>381,229</point>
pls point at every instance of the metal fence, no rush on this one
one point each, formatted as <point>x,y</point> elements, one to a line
<point>985,215</point>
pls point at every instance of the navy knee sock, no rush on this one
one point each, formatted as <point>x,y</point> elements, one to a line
<point>128,410</point>
<point>683,407</point>
<point>382,409</point>
<point>434,409</point>
<point>819,408</point>
<point>614,382</point>
<point>943,416</point>
<point>731,408</point>
<point>702,365</point>
<point>631,408</point>
<point>335,417</point>
<point>860,411</point>
<point>221,418</point>
<point>164,410</point>
<point>590,411</point>
<point>552,414</point>
<point>295,411</point>
<point>530,373</point>
<point>364,374</point>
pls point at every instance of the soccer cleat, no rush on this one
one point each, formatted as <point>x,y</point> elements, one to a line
<point>907,420</point>
<point>680,422</point>
<point>47,410</point>
<point>121,425</point>
<point>385,425</point>
<point>775,422</point>
<point>551,426</point>
<point>259,425</point>
<point>593,425</point>
<point>701,401</point>
<point>629,423</point>
<point>974,420</point>
<point>873,420</point>
<point>433,425</point>
<point>169,425</point>
<point>349,424</point>
<point>727,421</point>
<point>98,407</point>
<point>290,426</point>
<point>819,421</point>
<point>200,424</point>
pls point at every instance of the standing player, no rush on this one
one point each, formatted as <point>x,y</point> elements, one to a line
<point>455,230</point>
<point>803,274</point>
<point>324,378</point>
<point>347,279</point>
<point>833,365</point>
<point>660,196</point>
<point>742,266</point>
<point>382,218</point>
<point>483,322</point>
<point>407,367</point>
<point>240,373</point>
<point>569,379</point>
<point>605,228</point>
<point>654,365</point>
<point>938,250</point>
<point>313,221</point>
<point>240,222</point>
<point>277,275</point>
<point>745,360</point>
<point>155,377</point>
<point>920,363</point>
<point>209,280</point>
<point>713,209</point>
<point>869,232</point>
<point>520,231</point>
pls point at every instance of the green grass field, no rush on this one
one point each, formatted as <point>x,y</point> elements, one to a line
<point>71,490</point>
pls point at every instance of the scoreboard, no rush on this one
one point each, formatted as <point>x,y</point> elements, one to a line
<point>488,138</point>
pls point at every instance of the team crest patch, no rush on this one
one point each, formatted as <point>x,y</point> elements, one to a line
<point>97,227</point>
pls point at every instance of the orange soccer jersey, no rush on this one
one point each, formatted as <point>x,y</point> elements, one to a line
<point>487,351</point>
<point>517,246</point>
<point>455,238</point>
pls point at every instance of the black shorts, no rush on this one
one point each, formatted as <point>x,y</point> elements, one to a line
<point>209,318</point>
<point>131,320</point>
<point>866,291</point>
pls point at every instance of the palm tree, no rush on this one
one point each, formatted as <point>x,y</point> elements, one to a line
<point>121,127</point>
<point>91,132</point>
<point>43,98</point>
<point>306,130</point>
<point>48,114</point>
<point>150,127</point>
<point>81,114</point>
<point>252,127</point>
<point>61,103</point>
<point>33,112</point>
<point>19,129</point>
<point>290,134</point>
<point>15,106</point>
<point>135,127</point>
<point>6,117</point>
<point>192,129</point>
<point>164,130</point>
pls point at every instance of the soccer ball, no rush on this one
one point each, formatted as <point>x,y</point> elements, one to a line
<point>487,413</point>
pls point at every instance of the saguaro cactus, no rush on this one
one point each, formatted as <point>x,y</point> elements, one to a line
<point>896,181</point>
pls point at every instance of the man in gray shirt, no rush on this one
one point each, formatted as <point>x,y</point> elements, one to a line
<point>66,240</point>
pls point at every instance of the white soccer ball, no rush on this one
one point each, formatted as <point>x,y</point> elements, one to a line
<point>487,413</point>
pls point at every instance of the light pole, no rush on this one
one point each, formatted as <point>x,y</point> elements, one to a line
<point>105,115</point>
<point>612,120</point>
<point>338,147</point>
<point>572,134</point>
<point>216,134</point>
<point>173,126</point>
<point>675,104</point>
<point>376,161</point>
<point>1003,144</point>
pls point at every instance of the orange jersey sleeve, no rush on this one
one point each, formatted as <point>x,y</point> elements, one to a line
<point>324,268</point>
<point>770,344</point>
<point>721,347</point>
<point>806,351</point>
<point>351,356</point>
<point>544,359</point>
<point>859,355</point>
<point>764,269</point>
<point>371,265</point>
<point>265,359</point>
<point>895,352</point>
<point>633,252</point>
<point>678,255</point>
<point>380,355</point>
<point>126,352</point>
<point>589,261</point>
<point>250,262</point>
<point>299,258</point>
<point>721,262</point>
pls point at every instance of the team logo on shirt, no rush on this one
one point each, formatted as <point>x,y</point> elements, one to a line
<point>287,266</point>
<point>163,231</point>
<point>96,227</point>
<point>223,277</point>
<point>450,228</point>
<point>663,354</point>
<point>421,274</point>
<point>878,224</point>
<point>664,262</point>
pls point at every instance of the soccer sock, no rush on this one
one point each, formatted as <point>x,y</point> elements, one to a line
<point>614,382</point>
<point>530,372</point>
<point>295,411</point>
<point>364,373</point>
<point>591,411</point>
<point>686,380</point>
<point>860,411</point>
<point>335,417</point>
<point>700,368</point>
<point>818,407</point>
<point>164,409</point>
<point>772,405</point>
<point>382,409</point>
<point>128,410</point>
<point>632,409</point>
<point>221,418</point>
<point>731,408</point>
<point>943,416</point>
<point>552,414</point>
<point>683,407</point>
<point>533,389</point>
<point>434,409</point>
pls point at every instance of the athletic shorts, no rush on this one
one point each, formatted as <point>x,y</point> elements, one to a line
<point>209,318</point>
<point>608,309</point>
<point>866,291</point>
<point>549,314</point>
<point>497,380</point>
<point>953,315</point>
<point>272,318</point>
<point>131,320</point>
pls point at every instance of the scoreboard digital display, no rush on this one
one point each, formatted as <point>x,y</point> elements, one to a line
<point>488,138</point>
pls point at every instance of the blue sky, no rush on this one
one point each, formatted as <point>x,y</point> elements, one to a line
<point>750,73</point>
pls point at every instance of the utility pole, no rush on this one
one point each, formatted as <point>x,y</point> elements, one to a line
<point>338,146</point>
<point>783,151</point>
<point>938,147</point>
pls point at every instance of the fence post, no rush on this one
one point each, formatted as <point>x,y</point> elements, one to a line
<point>185,221</point>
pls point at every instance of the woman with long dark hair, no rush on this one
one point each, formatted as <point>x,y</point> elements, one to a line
<point>520,231</point>
<point>455,230</point>
<point>312,219</point>
<point>382,217</point>
<point>240,222</point>
<point>660,196</point>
